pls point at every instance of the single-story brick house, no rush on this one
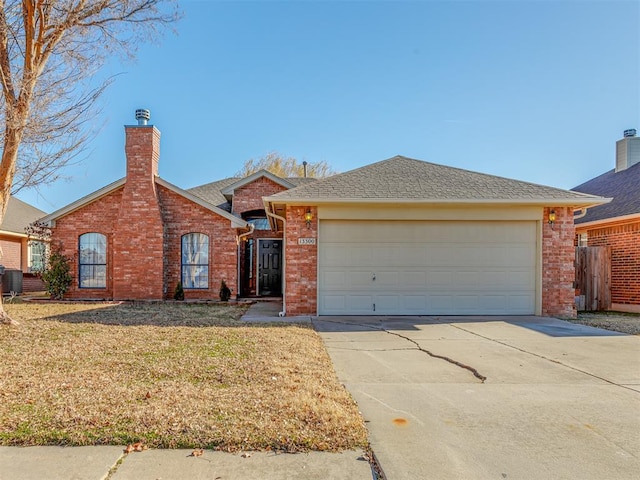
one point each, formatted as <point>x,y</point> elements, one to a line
<point>19,254</point>
<point>397,237</point>
<point>617,224</point>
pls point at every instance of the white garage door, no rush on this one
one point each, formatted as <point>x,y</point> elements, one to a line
<point>426,268</point>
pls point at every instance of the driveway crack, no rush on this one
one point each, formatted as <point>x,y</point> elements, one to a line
<point>547,359</point>
<point>473,371</point>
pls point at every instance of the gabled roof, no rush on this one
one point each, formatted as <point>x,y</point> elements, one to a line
<point>228,191</point>
<point>236,222</point>
<point>81,202</point>
<point>19,215</point>
<point>623,186</point>
<point>92,197</point>
<point>405,180</point>
<point>212,192</point>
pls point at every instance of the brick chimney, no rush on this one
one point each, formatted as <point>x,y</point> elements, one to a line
<point>138,244</point>
<point>627,150</point>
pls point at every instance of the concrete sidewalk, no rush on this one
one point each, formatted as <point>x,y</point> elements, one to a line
<point>268,311</point>
<point>99,463</point>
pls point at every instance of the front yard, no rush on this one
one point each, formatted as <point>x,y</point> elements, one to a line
<point>168,375</point>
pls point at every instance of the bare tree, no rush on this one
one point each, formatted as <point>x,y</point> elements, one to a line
<point>286,167</point>
<point>50,51</point>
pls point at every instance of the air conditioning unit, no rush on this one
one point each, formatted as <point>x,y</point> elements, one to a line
<point>12,281</point>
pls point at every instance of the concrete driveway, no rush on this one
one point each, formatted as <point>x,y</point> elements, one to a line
<point>492,397</point>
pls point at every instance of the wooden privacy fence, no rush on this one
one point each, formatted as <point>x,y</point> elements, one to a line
<point>593,278</point>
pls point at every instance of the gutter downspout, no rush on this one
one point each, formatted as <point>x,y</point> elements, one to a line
<point>238,241</point>
<point>583,212</point>
<point>283,313</point>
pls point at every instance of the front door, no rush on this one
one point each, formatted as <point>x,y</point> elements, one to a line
<point>270,267</point>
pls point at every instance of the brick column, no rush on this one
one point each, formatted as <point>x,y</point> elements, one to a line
<point>301,263</point>
<point>138,238</point>
<point>558,269</point>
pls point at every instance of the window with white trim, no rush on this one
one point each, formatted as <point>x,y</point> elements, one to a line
<point>37,256</point>
<point>195,261</point>
<point>583,239</point>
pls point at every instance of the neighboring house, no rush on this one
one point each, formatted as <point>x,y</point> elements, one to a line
<point>617,224</point>
<point>396,237</point>
<point>18,253</point>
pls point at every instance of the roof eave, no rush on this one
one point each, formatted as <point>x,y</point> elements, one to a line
<point>87,199</point>
<point>9,233</point>
<point>236,222</point>
<point>542,202</point>
<point>605,221</point>
<point>228,191</point>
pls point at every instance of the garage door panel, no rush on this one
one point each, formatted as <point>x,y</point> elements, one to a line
<point>337,279</point>
<point>423,267</point>
<point>415,303</point>
<point>440,278</point>
<point>522,304</point>
<point>359,303</point>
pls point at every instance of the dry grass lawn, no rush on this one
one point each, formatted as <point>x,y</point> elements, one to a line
<point>171,376</point>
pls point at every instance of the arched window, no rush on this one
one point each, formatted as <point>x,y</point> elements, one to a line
<point>195,261</point>
<point>93,260</point>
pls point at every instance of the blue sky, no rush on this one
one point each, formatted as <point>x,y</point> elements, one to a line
<point>533,90</point>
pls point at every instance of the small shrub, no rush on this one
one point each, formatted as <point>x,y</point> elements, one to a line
<point>56,276</point>
<point>179,292</point>
<point>225,292</point>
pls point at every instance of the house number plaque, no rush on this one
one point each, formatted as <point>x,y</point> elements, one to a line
<point>306,241</point>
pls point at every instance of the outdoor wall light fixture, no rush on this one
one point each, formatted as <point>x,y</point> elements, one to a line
<point>308,216</point>
<point>552,218</point>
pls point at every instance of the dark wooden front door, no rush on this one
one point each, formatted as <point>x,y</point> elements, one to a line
<point>270,267</point>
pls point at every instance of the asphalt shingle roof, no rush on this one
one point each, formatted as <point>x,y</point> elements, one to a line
<point>19,214</point>
<point>409,179</point>
<point>623,186</point>
<point>211,192</point>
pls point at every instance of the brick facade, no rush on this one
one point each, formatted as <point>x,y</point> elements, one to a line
<point>145,219</point>
<point>248,198</point>
<point>624,240</point>
<point>11,253</point>
<point>138,243</point>
<point>558,270</point>
<point>301,270</point>
<point>179,217</point>
<point>143,223</point>
<point>99,217</point>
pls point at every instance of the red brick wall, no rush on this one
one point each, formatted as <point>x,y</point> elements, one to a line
<point>301,269</point>
<point>180,216</point>
<point>100,217</point>
<point>138,241</point>
<point>11,254</point>
<point>624,240</point>
<point>249,197</point>
<point>558,271</point>
<point>32,283</point>
<point>144,224</point>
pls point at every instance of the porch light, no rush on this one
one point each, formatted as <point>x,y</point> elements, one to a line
<point>552,217</point>
<point>308,216</point>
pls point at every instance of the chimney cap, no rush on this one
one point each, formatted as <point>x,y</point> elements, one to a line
<point>142,116</point>
<point>631,132</point>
